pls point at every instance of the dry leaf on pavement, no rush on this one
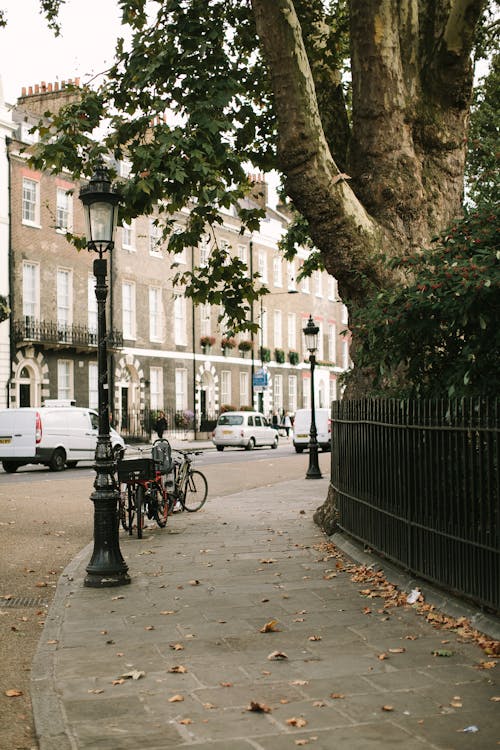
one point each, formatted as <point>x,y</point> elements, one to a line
<point>176,699</point>
<point>259,708</point>
<point>270,627</point>
<point>277,656</point>
<point>178,669</point>
<point>296,722</point>
<point>13,693</point>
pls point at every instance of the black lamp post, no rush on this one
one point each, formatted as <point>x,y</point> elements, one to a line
<point>311,332</point>
<point>107,566</point>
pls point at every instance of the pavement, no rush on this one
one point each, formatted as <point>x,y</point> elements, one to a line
<point>244,628</point>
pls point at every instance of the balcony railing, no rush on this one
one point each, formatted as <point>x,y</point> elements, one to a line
<point>61,336</point>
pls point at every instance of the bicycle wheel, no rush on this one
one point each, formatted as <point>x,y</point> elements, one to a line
<point>196,491</point>
<point>123,507</point>
<point>139,509</point>
<point>130,508</point>
<point>159,506</point>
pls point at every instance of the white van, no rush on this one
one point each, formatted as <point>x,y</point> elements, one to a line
<point>302,426</point>
<point>56,436</point>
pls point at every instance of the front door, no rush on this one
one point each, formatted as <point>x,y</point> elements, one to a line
<point>24,394</point>
<point>124,424</point>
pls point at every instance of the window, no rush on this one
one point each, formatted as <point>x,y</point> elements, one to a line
<point>277,271</point>
<point>181,389</point>
<point>278,329</point>
<point>306,392</point>
<point>180,336</point>
<point>345,354</point>
<point>318,283</point>
<point>243,255</point>
<point>128,235</point>
<point>156,387</point>
<point>155,313</point>
<point>128,310</point>
<point>332,288</point>
<point>290,275</point>
<point>204,250</point>
<point>320,352</point>
<point>205,320</point>
<point>64,210</point>
<point>332,342</point>
<point>263,326</point>
<point>244,391</point>
<point>225,249</point>
<point>31,202</point>
<point>292,393</point>
<point>154,239</point>
<point>92,308</point>
<point>262,265</point>
<point>64,300</point>
<point>93,388</point>
<point>225,387</point>
<point>64,379</point>
<point>31,290</point>
<point>305,285</point>
<point>333,389</point>
<point>292,331</point>
<point>278,392</point>
<point>345,315</point>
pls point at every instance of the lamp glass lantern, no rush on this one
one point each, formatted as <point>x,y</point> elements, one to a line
<point>311,332</point>
<point>100,205</point>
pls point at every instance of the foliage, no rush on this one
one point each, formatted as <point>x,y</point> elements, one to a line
<point>279,355</point>
<point>4,308</point>
<point>184,419</point>
<point>245,345</point>
<point>439,334</point>
<point>293,357</point>
<point>264,354</point>
<point>228,343</point>
<point>483,167</point>
<point>227,407</point>
<point>207,340</point>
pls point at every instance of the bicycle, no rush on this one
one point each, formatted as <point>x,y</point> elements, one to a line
<point>144,491</point>
<point>190,485</point>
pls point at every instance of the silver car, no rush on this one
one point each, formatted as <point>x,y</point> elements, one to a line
<point>243,429</point>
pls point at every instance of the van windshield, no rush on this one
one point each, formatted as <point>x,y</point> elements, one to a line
<point>230,419</point>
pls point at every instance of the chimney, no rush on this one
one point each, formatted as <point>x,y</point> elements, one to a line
<point>259,192</point>
<point>48,96</point>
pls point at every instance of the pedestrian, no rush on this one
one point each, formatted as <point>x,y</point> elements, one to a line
<point>274,420</point>
<point>287,424</point>
<point>161,424</point>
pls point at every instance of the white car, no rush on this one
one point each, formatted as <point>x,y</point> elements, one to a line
<point>243,429</point>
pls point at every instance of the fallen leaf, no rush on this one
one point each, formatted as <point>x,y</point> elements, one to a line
<point>270,627</point>
<point>13,693</point>
<point>185,721</point>
<point>149,627</point>
<point>495,699</point>
<point>114,598</point>
<point>277,656</point>
<point>118,682</point>
<point>442,652</point>
<point>314,638</point>
<point>41,584</point>
<point>226,684</point>
<point>397,650</point>
<point>52,642</point>
<point>176,646</point>
<point>194,582</point>
<point>135,674</point>
<point>487,665</point>
<point>167,612</point>
<point>296,722</point>
<point>382,657</point>
<point>299,682</point>
<point>176,699</point>
<point>319,704</point>
<point>387,708</point>
<point>96,691</point>
<point>267,562</point>
<point>472,728</point>
<point>336,696</point>
<point>259,708</point>
<point>178,669</point>
<point>208,705</point>
<point>456,704</point>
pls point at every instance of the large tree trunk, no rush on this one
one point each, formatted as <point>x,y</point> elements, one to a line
<point>412,85</point>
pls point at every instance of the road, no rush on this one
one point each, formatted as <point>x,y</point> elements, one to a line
<point>45,519</point>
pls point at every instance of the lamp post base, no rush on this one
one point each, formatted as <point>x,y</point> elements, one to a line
<point>313,471</point>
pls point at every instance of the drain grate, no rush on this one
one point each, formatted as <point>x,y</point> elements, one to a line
<point>23,601</point>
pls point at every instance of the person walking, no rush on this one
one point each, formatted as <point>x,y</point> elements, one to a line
<point>287,424</point>
<point>161,424</point>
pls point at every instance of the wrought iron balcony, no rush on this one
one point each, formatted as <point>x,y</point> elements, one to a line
<point>56,336</point>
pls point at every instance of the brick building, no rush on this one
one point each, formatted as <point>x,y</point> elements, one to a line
<point>164,351</point>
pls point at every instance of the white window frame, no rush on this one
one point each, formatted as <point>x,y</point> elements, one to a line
<point>244,389</point>
<point>64,297</point>
<point>305,285</point>
<point>156,387</point>
<point>345,354</point>
<point>93,385</point>
<point>332,342</point>
<point>31,290</point>
<point>128,310</point>
<point>204,250</point>
<point>31,202</point>
<point>180,322</point>
<point>225,387</point>
<point>64,211</point>
<point>291,279</point>
<point>278,392</point>
<point>292,331</point>
<point>332,288</point>
<point>292,393</point>
<point>333,389</point>
<point>345,315</point>
<point>128,236</point>
<point>155,316</point>
<point>277,271</point>
<point>65,390</point>
<point>205,319</point>
<point>262,264</point>
<point>318,283</point>
<point>91,305</point>
<point>181,402</point>
<point>278,329</point>
<point>243,256</point>
<point>263,327</point>
<point>154,238</point>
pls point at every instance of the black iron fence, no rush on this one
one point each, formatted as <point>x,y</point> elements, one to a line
<point>49,332</point>
<point>419,481</point>
<point>139,424</point>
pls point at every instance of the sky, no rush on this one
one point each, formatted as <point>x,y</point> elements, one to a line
<point>30,53</point>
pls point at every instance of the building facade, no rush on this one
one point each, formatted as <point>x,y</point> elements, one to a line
<point>165,352</point>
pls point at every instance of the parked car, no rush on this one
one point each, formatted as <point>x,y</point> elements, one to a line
<point>245,429</point>
<point>302,427</point>
<point>56,436</point>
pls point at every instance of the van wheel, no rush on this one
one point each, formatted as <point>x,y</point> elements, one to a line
<point>220,447</point>
<point>58,460</point>
<point>71,464</point>
<point>250,445</point>
<point>10,466</point>
<point>275,444</point>
<point>299,448</point>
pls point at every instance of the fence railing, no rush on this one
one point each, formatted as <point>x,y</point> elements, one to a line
<point>139,424</point>
<point>61,335</point>
<point>419,481</point>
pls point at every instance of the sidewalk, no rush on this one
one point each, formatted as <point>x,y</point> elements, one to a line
<point>176,659</point>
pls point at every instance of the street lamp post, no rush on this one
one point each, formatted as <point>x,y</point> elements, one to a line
<point>107,566</point>
<point>311,332</point>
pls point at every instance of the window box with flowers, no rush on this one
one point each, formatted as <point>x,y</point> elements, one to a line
<point>293,358</point>
<point>244,346</point>
<point>206,342</point>
<point>227,344</point>
<point>265,354</point>
<point>279,356</point>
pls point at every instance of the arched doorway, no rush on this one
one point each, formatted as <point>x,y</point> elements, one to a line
<point>207,396</point>
<point>30,379</point>
<point>130,401</point>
